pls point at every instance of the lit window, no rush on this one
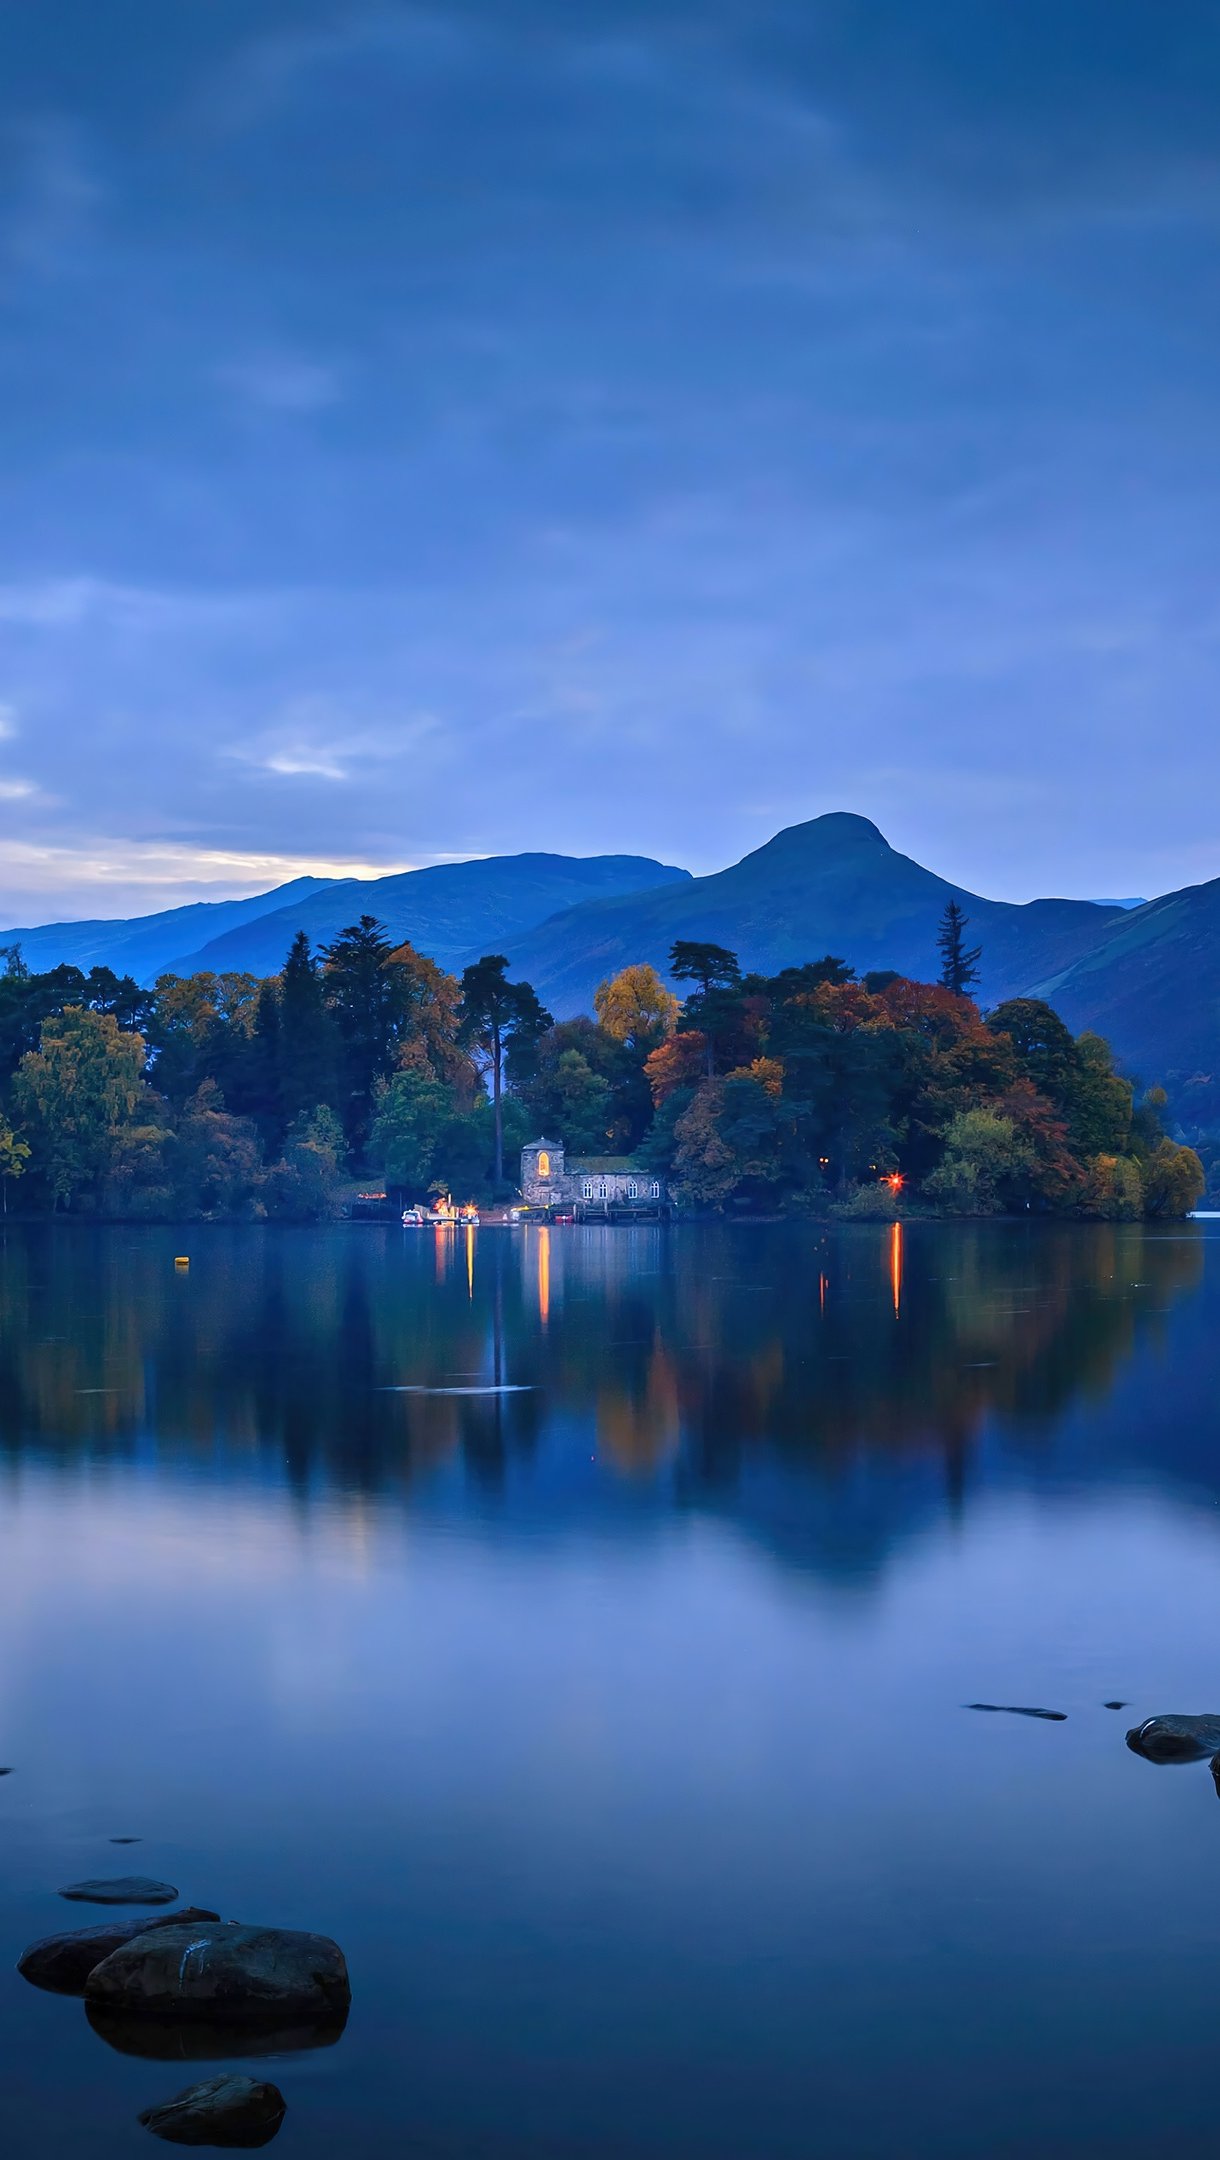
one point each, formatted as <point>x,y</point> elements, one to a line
<point>544,1164</point>
<point>656,1192</point>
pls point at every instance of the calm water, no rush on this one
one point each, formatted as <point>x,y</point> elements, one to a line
<point>614,1725</point>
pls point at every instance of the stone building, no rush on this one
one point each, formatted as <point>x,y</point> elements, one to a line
<point>588,1184</point>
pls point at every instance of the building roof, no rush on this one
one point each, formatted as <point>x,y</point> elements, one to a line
<point>605,1163</point>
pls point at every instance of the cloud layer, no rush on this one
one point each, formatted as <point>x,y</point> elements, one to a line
<point>454,429</point>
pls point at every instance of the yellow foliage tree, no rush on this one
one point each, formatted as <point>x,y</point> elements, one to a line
<point>636,1008</point>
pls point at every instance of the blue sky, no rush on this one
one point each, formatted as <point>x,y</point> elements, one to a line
<point>509,423</point>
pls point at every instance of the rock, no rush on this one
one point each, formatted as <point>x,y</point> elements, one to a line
<point>227,2110</point>
<point>1114,1706</point>
<point>223,1970</point>
<point>120,1890</point>
<point>1007,1709</point>
<point>1171,1738</point>
<point>7,1771</point>
<point>63,1963</point>
<point>126,1841</point>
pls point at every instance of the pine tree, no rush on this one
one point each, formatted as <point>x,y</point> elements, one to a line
<point>305,1049</point>
<point>959,970</point>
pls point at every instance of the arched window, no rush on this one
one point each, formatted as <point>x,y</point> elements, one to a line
<point>544,1164</point>
<point>656,1192</point>
<point>588,1188</point>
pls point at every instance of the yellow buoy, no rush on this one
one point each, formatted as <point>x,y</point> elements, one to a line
<point>182,1260</point>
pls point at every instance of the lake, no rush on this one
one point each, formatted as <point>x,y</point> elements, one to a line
<point>613,1722</point>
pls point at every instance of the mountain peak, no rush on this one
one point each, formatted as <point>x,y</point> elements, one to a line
<point>836,832</point>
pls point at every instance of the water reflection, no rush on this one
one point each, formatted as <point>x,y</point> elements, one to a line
<point>366,1361</point>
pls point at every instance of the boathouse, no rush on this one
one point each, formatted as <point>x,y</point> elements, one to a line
<point>604,1186</point>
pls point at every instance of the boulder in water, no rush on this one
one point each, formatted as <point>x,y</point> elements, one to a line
<point>63,1963</point>
<point>228,2110</point>
<point>223,1970</point>
<point>120,1890</point>
<point>1173,1738</point>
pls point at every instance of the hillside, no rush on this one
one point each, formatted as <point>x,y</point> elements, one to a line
<point>144,945</point>
<point>452,911</point>
<point>1151,985</point>
<point>832,885</point>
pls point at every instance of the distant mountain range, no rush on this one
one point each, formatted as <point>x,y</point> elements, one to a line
<point>1145,974</point>
<point>452,911</point>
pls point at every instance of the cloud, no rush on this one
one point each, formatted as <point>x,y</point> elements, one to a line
<point>65,878</point>
<point>317,738</point>
<point>8,721</point>
<point>16,790</point>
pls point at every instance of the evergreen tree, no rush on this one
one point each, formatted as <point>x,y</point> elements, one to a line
<point>360,993</point>
<point>495,1012</point>
<point>306,1049</point>
<point>959,970</point>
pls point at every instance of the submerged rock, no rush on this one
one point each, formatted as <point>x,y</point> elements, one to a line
<point>1172,1738</point>
<point>221,1969</point>
<point>212,2040</point>
<point>229,2110</point>
<point>1114,1706</point>
<point>120,1890</point>
<point>1007,1709</point>
<point>63,1963</point>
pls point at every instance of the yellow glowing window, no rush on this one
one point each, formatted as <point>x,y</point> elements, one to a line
<point>544,1164</point>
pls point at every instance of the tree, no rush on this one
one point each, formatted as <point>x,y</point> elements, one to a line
<point>494,1011</point>
<point>360,992</point>
<point>307,1048</point>
<point>1174,1180</point>
<point>713,1007</point>
<point>636,1008</point>
<point>304,1185</point>
<point>77,1091</point>
<point>959,969</point>
<point>985,1158</point>
<point>217,1159</point>
<point>709,967</point>
<point>14,1155</point>
<point>413,1109</point>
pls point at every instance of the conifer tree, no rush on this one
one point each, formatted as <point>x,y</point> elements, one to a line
<point>959,969</point>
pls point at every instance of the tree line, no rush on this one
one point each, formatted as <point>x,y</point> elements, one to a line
<point>811,1090</point>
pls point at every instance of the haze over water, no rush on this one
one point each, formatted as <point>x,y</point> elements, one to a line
<point>614,1725</point>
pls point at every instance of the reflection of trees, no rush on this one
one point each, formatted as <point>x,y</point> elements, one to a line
<point>706,1350</point>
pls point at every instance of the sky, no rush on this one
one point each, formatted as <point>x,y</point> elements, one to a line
<point>441,430</point>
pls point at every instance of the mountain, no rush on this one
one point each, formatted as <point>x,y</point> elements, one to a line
<point>145,944</point>
<point>452,911</point>
<point>1151,985</point>
<point>832,885</point>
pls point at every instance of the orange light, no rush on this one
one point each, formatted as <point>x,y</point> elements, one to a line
<point>895,1181</point>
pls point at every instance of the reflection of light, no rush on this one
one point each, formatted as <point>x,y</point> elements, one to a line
<point>470,1259</point>
<point>544,1275</point>
<point>821,1293</point>
<point>441,1249</point>
<point>896,1263</point>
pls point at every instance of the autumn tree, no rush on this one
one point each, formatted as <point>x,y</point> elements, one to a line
<point>1174,1180</point>
<point>636,1008</point>
<point>77,1091</point>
